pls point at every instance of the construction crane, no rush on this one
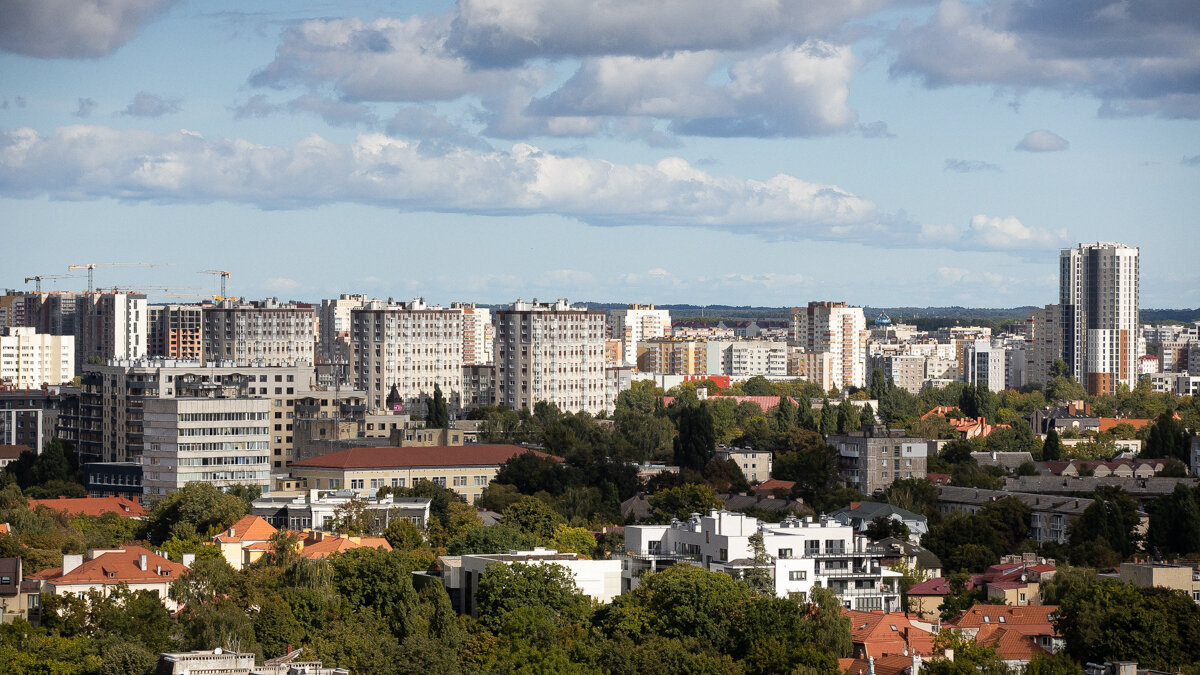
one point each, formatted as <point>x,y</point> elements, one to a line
<point>37,278</point>
<point>92,266</point>
<point>224,276</point>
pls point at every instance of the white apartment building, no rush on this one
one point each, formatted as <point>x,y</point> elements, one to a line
<point>984,365</point>
<point>747,358</point>
<point>110,326</point>
<point>222,441</point>
<point>550,352</point>
<point>1180,384</point>
<point>334,323</point>
<point>411,345</point>
<point>478,333</point>
<point>29,359</point>
<point>841,331</point>
<point>597,579</point>
<point>637,323</point>
<point>262,330</point>
<point>1098,294</point>
<point>804,554</point>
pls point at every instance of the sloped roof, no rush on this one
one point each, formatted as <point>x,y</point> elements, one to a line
<point>12,451</point>
<point>1010,644</point>
<point>404,458</point>
<point>885,665</point>
<point>1037,617</point>
<point>878,634</point>
<point>1107,423</point>
<point>868,511</point>
<point>114,567</point>
<point>330,545</point>
<point>941,585</point>
<point>249,528</point>
<point>773,484</point>
<point>92,506</point>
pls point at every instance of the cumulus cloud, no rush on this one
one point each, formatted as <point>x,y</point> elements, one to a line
<point>422,122</point>
<point>970,166</point>
<point>767,280</point>
<point>91,162</point>
<point>256,106</point>
<point>150,105</point>
<point>381,60</point>
<point>655,276</point>
<point>1043,141</point>
<point>1138,58</point>
<point>1011,234</point>
<point>506,32</point>
<point>85,107</point>
<point>73,28</point>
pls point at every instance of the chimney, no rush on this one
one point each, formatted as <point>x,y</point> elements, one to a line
<point>70,562</point>
<point>142,562</point>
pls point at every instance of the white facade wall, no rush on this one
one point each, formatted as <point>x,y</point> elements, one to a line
<point>839,330</point>
<point>411,345</point>
<point>984,365</point>
<point>637,323</point>
<point>478,334</point>
<point>551,352</point>
<point>222,441</point>
<point>263,331</point>
<point>110,326</point>
<point>1098,294</point>
<point>29,359</point>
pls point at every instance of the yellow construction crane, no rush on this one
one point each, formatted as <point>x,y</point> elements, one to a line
<point>224,276</point>
<point>38,279</point>
<point>91,266</point>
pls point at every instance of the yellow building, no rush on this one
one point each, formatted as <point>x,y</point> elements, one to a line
<point>466,469</point>
<point>673,356</point>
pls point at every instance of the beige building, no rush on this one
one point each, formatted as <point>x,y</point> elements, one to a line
<point>29,359</point>
<point>635,324</point>
<point>410,345</point>
<point>334,325</point>
<point>820,367</point>
<point>465,469</point>
<point>102,570</point>
<point>551,352</point>
<point>1184,578</point>
<point>755,464</point>
<point>266,331</point>
<point>673,356</point>
<point>841,331</point>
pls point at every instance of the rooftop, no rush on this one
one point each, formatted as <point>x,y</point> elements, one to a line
<point>92,506</point>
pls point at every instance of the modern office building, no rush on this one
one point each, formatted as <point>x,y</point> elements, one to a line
<point>176,332</point>
<point>221,441</point>
<point>637,323</point>
<point>1098,296</point>
<point>841,331</point>
<point>110,326</point>
<point>264,331</point>
<point>29,359</point>
<point>551,352</point>
<point>411,346</point>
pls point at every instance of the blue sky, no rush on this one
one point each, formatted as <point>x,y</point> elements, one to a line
<point>763,152</point>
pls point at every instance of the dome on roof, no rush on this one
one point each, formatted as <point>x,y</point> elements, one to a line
<point>883,320</point>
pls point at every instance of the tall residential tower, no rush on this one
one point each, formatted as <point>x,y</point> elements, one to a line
<point>1098,296</point>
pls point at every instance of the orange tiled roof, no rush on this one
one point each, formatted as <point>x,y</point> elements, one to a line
<point>1030,616</point>
<point>885,665</point>
<point>114,567</point>
<point>940,411</point>
<point>1107,423</point>
<point>1010,644</point>
<point>878,634</point>
<point>249,528</point>
<point>92,506</point>
<point>331,544</point>
<point>12,451</point>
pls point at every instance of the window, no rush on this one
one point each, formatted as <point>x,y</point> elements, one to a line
<point>785,553</point>
<point>397,482</point>
<point>797,575</point>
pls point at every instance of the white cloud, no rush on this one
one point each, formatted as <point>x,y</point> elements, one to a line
<point>953,275</point>
<point>73,28</point>
<point>970,166</point>
<point>145,104</point>
<point>504,32</point>
<point>1042,140</point>
<point>1007,234</point>
<point>281,284</point>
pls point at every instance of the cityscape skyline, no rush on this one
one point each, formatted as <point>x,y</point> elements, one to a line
<point>885,154</point>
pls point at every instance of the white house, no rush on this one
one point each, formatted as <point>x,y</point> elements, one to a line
<point>598,579</point>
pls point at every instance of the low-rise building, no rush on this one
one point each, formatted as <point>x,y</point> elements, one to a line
<point>102,570</point>
<point>1051,516</point>
<point>598,579</point>
<point>755,464</point>
<point>17,594</point>
<point>242,543</point>
<point>92,506</point>
<point>803,552</point>
<point>313,509</point>
<point>221,662</point>
<point>860,515</point>
<point>873,458</point>
<point>1184,578</point>
<point>465,469</point>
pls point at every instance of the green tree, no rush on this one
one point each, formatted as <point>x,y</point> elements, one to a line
<point>438,416</point>
<point>697,442</point>
<point>847,417</point>
<point>198,508</point>
<point>785,415</point>
<point>866,416</point>
<point>1113,518</point>
<point>1174,523</point>
<point>760,576</point>
<point>913,494</point>
<point>1052,448</point>
<point>758,386</point>
<point>379,580</point>
<point>404,535</point>
<point>1168,438</point>
<point>505,588</point>
<point>353,518</point>
<point>532,516</point>
<point>829,418</point>
<point>724,475</point>
<point>567,539</point>
<point>276,627</point>
<point>680,502</point>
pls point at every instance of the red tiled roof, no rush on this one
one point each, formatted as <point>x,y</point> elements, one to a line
<point>5,528</point>
<point>941,585</point>
<point>115,567</point>
<point>92,506</point>
<point>878,634</point>
<point>12,451</point>
<point>249,528</point>
<point>937,478</point>
<point>1010,644</point>
<point>403,458</point>
<point>1037,617</point>
<point>331,544</point>
<point>886,665</point>
<point>775,484</point>
<point>1107,423</point>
